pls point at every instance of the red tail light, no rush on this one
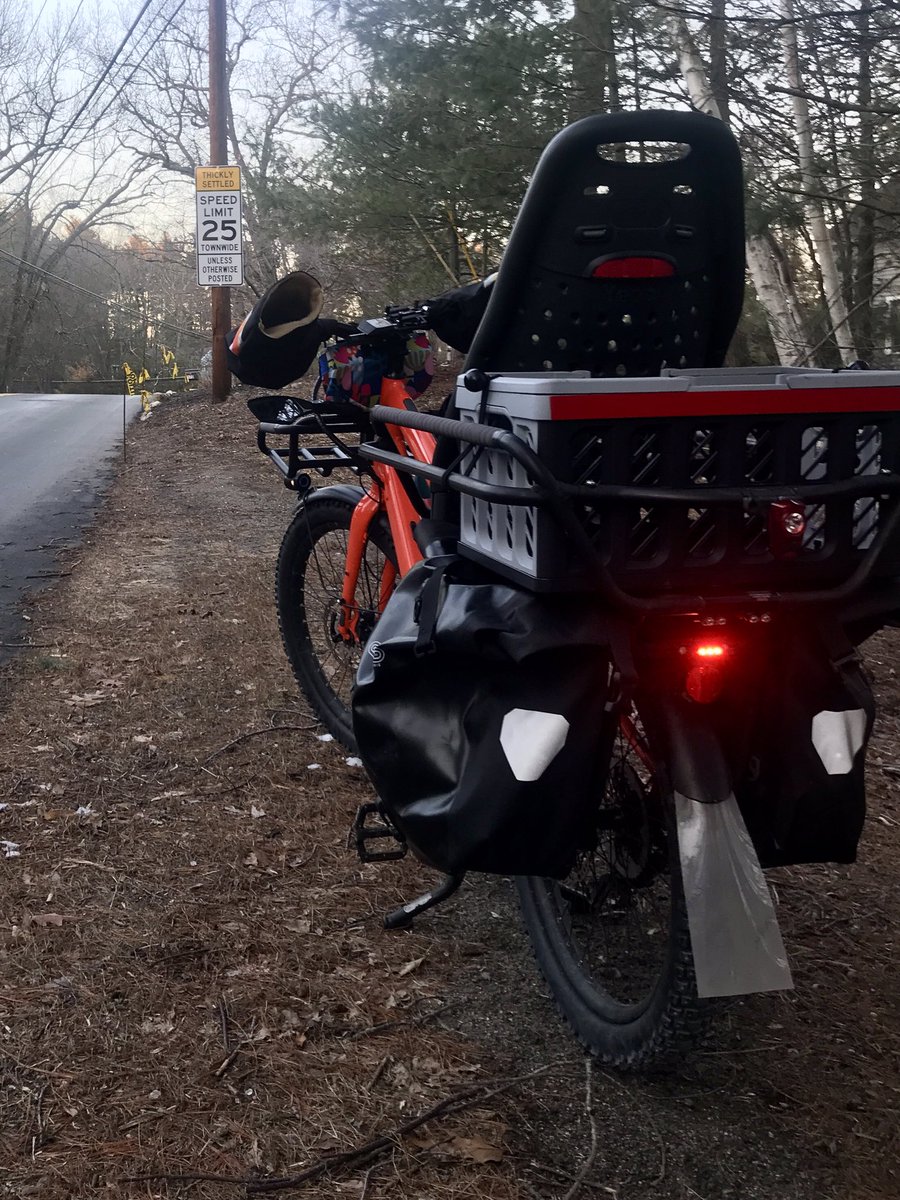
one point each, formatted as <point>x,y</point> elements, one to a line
<point>711,650</point>
<point>705,678</point>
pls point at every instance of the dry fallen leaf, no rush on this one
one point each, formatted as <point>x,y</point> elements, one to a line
<point>297,926</point>
<point>409,967</point>
<point>477,1149</point>
<point>87,699</point>
<point>47,919</point>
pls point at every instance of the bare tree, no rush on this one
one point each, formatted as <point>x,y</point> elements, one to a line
<point>276,66</point>
<point>62,172</point>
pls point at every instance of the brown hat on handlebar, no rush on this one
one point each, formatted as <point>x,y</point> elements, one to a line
<point>278,339</point>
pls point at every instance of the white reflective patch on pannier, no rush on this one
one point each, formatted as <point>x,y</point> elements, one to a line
<point>837,737</point>
<point>531,740</point>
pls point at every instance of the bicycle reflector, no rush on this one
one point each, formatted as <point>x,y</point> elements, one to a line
<point>705,678</point>
<point>787,525</point>
<point>634,267</point>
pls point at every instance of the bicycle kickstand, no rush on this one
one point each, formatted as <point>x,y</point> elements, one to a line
<point>403,917</point>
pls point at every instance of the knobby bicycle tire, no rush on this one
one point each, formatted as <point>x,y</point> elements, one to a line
<point>628,993</point>
<point>308,582</point>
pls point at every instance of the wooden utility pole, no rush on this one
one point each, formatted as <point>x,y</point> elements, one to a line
<point>218,157</point>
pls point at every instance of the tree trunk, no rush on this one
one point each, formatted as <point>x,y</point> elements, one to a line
<point>693,70</point>
<point>593,54</point>
<point>811,184</point>
<point>774,286</point>
<point>718,65</point>
<point>864,274</point>
<point>765,260</point>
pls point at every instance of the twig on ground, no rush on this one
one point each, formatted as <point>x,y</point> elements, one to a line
<point>360,1155</point>
<point>4,1054</point>
<point>222,1006</point>
<point>595,1141</point>
<point>145,1117</point>
<point>227,1062</point>
<point>379,1071</point>
<point>258,733</point>
<point>86,862</point>
<point>186,1177</point>
<point>35,1138</point>
<point>364,1190</point>
<point>661,1174</point>
<point>555,1177</point>
<point>414,1022</point>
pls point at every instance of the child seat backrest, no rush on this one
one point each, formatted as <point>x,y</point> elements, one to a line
<point>627,255</point>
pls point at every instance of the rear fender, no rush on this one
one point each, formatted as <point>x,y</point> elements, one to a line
<point>735,938</point>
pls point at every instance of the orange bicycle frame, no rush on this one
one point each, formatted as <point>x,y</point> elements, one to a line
<point>390,497</point>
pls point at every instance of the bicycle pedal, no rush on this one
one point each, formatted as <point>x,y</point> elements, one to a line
<point>379,830</point>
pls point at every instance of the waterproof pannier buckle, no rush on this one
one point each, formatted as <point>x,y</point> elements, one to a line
<point>372,824</point>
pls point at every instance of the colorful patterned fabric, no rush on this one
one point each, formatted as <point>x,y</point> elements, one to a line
<point>351,374</point>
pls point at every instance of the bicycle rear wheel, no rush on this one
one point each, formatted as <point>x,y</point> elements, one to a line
<point>612,939</point>
<point>308,582</point>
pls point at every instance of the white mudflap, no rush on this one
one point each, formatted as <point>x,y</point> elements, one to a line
<point>735,938</point>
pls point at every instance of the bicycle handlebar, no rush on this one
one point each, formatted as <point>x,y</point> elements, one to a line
<point>477,435</point>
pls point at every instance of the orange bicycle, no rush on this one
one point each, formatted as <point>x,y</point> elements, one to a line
<point>348,544</point>
<point>734,532</point>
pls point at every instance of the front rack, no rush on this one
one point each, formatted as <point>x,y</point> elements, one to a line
<point>333,423</point>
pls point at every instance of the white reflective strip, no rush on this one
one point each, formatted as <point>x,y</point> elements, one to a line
<point>531,740</point>
<point>735,939</point>
<point>837,737</point>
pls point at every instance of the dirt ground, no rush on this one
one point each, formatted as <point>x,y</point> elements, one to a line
<point>196,996</point>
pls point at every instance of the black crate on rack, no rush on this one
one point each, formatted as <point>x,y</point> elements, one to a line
<point>766,432</point>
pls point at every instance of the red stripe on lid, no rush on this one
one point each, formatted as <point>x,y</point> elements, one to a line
<point>743,402</point>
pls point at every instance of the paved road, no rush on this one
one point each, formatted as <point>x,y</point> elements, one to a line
<point>56,455</point>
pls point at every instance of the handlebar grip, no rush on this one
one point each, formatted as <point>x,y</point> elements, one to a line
<point>464,431</point>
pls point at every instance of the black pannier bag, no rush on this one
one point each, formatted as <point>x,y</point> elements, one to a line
<point>481,714</point>
<point>803,797</point>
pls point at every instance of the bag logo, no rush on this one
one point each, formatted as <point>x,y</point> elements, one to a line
<point>376,653</point>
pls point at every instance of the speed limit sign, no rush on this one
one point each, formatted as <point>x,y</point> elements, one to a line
<point>220,260</point>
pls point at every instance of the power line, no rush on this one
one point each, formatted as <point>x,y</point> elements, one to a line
<point>58,164</point>
<point>202,337</point>
<point>105,72</point>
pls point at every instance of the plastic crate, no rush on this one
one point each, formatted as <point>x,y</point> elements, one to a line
<point>770,427</point>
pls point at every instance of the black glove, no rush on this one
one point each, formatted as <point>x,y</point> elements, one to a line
<point>456,315</point>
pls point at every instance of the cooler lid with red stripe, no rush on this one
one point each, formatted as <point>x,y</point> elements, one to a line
<point>559,396</point>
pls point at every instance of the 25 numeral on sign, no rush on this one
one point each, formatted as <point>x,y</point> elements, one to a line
<point>218,231</point>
